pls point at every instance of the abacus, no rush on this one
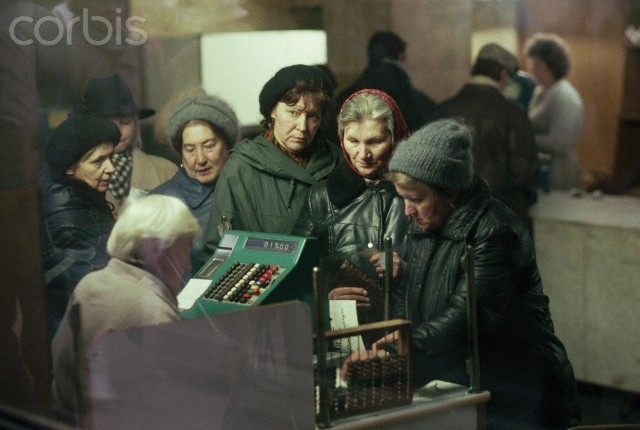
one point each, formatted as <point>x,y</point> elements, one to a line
<point>350,274</point>
<point>373,381</point>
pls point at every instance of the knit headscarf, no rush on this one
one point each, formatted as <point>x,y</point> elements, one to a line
<point>400,128</point>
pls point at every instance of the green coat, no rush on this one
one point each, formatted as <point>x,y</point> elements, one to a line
<point>261,189</point>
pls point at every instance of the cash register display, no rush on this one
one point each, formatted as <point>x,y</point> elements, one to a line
<point>273,245</point>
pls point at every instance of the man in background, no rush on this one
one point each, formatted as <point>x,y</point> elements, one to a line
<point>504,149</point>
<point>386,52</point>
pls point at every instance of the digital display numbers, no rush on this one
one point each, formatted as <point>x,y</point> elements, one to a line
<point>273,245</point>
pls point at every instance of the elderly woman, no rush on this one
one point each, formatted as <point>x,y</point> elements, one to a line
<point>149,248</point>
<point>355,209</point>
<point>266,180</point>
<point>76,218</point>
<point>556,109</point>
<point>203,129</point>
<point>110,98</point>
<point>522,363</point>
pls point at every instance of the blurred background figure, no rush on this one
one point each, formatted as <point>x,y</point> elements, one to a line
<point>104,43</point>
<point>24,367</point>
<point>136,171</point>
<point>504,149</point>
<point>265,181</point>
<point>202,129</point>
<point>386,53</point>
<point>149,265</point>
<point>76,217</point>
<point>556,110</point>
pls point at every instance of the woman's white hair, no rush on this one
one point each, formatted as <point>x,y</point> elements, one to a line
<point>158,217</point>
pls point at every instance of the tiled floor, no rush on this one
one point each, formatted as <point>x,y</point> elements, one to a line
<point>602,405</point>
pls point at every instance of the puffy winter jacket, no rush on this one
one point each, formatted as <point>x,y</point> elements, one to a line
<point>522,363</point>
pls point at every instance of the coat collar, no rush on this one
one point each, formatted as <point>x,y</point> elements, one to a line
<point>193,192</point>
<point>344,185</point>
<point>464,218</point>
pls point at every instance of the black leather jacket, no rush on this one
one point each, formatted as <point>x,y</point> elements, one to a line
<point>76,222</point>
<point>516,336</point>
<point>347,213</point>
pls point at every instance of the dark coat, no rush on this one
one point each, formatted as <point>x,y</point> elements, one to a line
<point>389,76</point>
<point>199,199</point>
<point>261,189</point>
<point>504,148</point>
<point>76,223</point>
<point>522,363</point>
<point>346,213</point>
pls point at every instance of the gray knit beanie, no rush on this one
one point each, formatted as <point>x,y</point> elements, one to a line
<point>204,107</point>
<point>438,154</point>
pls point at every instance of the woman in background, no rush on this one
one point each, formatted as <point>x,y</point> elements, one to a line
<point>556,110</point>
<point>265,181</point>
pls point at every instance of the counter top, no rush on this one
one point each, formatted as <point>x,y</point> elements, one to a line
<point>448,405</point>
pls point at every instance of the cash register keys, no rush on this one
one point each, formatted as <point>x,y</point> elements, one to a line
<point>243,283</point>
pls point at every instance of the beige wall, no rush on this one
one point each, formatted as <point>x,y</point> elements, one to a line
<point>437,33</point>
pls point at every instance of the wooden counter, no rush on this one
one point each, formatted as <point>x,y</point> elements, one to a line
<point>439,405</point>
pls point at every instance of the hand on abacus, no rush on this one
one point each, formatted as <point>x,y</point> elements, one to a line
<point>362,354</point>
<point>351,293</point>
<point>389,339</point>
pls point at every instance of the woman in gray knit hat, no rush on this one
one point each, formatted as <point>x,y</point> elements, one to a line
<point>522,363</point>
<point>202,128</point>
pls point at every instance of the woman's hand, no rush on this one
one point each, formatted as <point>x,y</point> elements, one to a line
<point>389,339</point>
<point>351,293</point>
<point>378,350</point>
<point>362,354</point>
<point>399,265</point>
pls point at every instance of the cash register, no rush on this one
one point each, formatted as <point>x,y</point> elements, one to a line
<point>251,269</point>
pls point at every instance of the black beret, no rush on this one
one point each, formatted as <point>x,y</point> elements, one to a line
<point>76,136</point>
<point>287,78</point>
